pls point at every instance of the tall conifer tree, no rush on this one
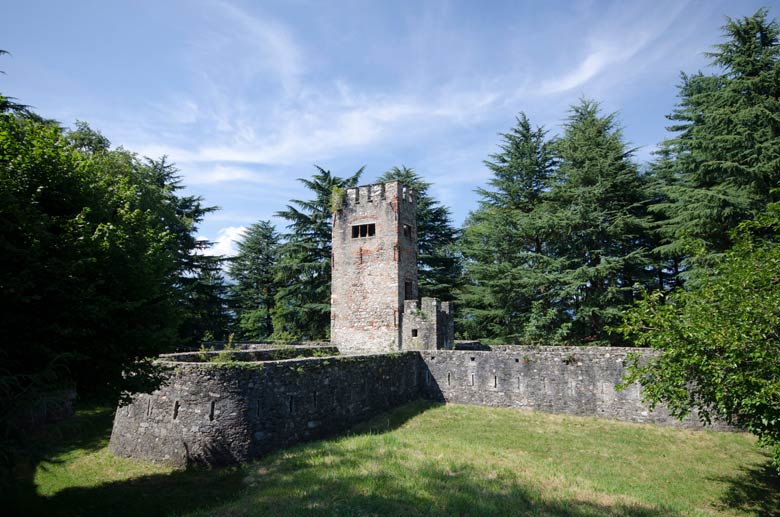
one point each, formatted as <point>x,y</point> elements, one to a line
<point>437,263</point>
<point>302,308</point>
<point>726,151</point>
<point>600,224</point>
<point>253,271</point>
<point>509,286</point>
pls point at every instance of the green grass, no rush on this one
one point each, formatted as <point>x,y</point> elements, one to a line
<point>423,459</point>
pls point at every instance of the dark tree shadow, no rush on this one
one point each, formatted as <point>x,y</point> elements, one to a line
<point>445,488</point>
<point>299,485</point>
<point>754,490</point>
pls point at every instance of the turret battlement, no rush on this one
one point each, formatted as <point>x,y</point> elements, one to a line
<point>374,270</point>
<point>380,192</point>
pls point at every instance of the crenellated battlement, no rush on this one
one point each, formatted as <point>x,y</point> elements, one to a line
<point>380,192</point>
<point>428,324</point>
<point>373,266</point>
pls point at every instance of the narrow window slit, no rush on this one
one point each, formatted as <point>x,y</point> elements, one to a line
<point>290,404</point>
<point>149,407</point>
<point>495,381</point>
<point>175,410</point>
<point>472,379</point>
<point>211,410</point>
<point>449,378</point>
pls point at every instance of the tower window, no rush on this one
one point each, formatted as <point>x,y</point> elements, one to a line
<point>414,332</point>
<point>407,231</point>
<point>408,291</point>
<point>363,230</point>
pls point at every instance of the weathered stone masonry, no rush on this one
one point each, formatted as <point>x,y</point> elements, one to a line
<point>216,414</point>
<point>374,274</point>
<point>265,399</point>
<point>573,380</point>
<point>211,413</point>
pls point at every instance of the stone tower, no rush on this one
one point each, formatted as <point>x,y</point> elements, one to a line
<point>374,267</point>
<point>374,302</point>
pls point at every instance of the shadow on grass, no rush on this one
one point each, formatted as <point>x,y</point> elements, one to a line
<point>324,478</point>
<point>754,490</point>
<point>154,494</point>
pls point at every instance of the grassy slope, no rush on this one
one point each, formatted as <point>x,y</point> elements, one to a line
<point>423,459</point>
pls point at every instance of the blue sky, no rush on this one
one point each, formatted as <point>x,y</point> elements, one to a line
<point>246,96</point>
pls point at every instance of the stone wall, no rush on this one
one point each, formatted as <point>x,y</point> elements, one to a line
<point>428,325</point>
<point>212,413</point>
<point>218,413</point>
<point>574,380</point>
<point>275,353</point>
<point>374,271</point>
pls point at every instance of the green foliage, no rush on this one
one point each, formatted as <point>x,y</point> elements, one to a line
<point>253,271</point>
<point>227,354</point>
<point>508,267</point>
<point>600,225</point>
<point>97,264</point>
<point>723,160</point>
<point>302,303</point>
<point>337,198</point>
<point>437,262</point>
<point>205,305</point>
<point>556,246</point>
<point>720,342</point>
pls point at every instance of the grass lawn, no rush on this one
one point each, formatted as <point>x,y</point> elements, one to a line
<point>420,459</point>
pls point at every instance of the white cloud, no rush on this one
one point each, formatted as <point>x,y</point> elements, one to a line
<point>197,173</point>
<point>589,67</point>
<point>225,242</point>
<point>317,128</point>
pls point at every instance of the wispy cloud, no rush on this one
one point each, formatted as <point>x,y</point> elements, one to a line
<point>266,44</point>
<point>614,42</point>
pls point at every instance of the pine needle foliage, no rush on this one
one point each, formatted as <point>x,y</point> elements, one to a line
<point>302,303</point>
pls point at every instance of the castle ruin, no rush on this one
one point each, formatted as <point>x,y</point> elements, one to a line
<point>387,349</point>
<point>374,284</point>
